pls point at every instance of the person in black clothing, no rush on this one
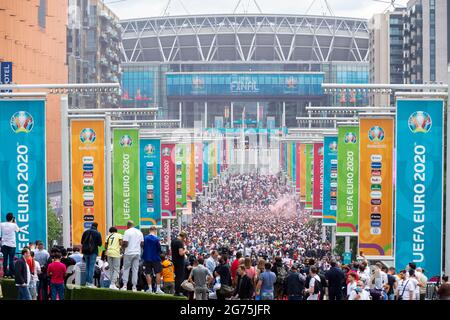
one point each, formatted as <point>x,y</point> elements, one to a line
<point>22,276</point>
<point>336,280</point>
<point>223,271</point>
<point>244,289</point>
<point>281,273</point>
<point>295,284</point>
<point>178,257</point>
<point>90,241</point>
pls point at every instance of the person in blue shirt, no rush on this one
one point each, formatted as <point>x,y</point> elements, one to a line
<point>152,259</point>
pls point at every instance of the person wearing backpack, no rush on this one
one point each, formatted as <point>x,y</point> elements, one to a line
<point>315,285</point>
<point>90,241</point>
<point>281,273</point>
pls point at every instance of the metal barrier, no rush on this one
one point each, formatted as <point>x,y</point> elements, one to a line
<point>431,292</point>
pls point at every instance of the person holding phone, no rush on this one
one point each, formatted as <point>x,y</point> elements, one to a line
<point>359,293</point>
<point>8,232</point>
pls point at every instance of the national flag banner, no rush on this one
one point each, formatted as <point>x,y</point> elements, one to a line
<point>330,147</point>
<point>88,176</point>
<point>23,187</point>
<point>348,177</point>
<point>419,184</point>
<point>150,182</point>
<point>125,176</point>
<point>318,181</point>
<point>376,147</point>
<point>168,180</point>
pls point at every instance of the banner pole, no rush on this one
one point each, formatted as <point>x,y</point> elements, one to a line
<point>447,195</point>
<point>109,217</point>
<point>65,171</point>
<point>333,238</point>
<point>169,232</point>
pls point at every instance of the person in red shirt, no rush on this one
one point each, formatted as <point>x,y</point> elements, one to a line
<point>56,271</point>
<point>235,265</point>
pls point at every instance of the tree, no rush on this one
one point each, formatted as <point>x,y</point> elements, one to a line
<point>54,226</point>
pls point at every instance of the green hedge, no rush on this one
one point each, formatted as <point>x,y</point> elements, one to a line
<point>84,293</point>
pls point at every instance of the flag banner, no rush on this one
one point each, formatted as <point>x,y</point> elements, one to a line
<point>302,172</point>
<point>419,184</point>
<point>181,177</point>
<point>190,172</point>
<point>125,177</point>
<point>318,180</point>
<point>348,177</point>
<point>330,147</point>
<point>376,142</point>
<point>289,160</point>
<point>206,170</point>
<point>294,164</point>
<point>168,201</point>
<point>23,187</point>
<point>88,177</point>
<point>150,186</point>
<point>199,167</point>
<point>309,150</point>
<point>298,167</point>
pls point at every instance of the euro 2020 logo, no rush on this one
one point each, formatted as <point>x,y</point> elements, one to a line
<point>166,152</point>
<point>126,141</point>
<point>320,151</point>
<point>87,135</point>
<point>22,121</point>
<point>420,121</point>
<point>350,137</point>
<point>376,134</point>
<point>149,149</point>
<point>333,146</point>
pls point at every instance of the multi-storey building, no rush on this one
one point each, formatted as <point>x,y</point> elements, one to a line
<point>93,53</point>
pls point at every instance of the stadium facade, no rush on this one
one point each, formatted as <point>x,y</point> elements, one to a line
<point>230,69</point>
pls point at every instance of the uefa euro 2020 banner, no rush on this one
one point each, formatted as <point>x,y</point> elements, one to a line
<point>309,159</point>
<point>205,163</point>
<point>330,147</point>
<point>23,161</point>
<point>348,177</point>
<point>419,189</point>
<point>150,182</point>
<point>298,168</point>
<point>180,175</point>
<point>168,196</point>
<point>88,176</point>
<point>198,167</point>
<point>125,177</point>
<point>302,172</point>
<point>318,180</point>
<point>376,143</point>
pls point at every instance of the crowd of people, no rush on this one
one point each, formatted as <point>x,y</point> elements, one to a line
<point>252,242</point>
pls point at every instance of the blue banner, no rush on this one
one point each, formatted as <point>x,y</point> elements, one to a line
<point>329,181</point>
<point>150,182</point>
<point>294,163</point>
<point>6,74</point>
<point>23,188</point>
<point>205,163</point>
<point>420,171</point>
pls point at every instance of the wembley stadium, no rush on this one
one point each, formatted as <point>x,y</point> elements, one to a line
<point>241,69</point>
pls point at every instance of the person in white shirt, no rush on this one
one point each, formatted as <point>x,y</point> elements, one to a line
<point>211,262</point>
<point>423,280</point>
<point>359,293</point>
<point>313,283</point>
<point>351,284</point>
<point>8,232</point>
<point>34,283</point>
<point>405,288</point>
<point>415,282</point>
<point>133,241</point>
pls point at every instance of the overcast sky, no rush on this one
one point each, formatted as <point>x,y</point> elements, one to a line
<point>127,9</point>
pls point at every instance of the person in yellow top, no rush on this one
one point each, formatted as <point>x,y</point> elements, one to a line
<point>112,246</point>
<point>168,275</point>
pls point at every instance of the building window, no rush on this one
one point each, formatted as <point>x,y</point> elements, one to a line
<point>42,12</point>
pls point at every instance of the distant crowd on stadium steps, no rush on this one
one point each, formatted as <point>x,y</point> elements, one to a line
<point>251,243</point>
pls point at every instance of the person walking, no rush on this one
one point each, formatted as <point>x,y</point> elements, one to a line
<point>152,259</point>
<point>8,232</point>
<point>267,279</point>
<point>336,279</point>
<point>133,241</point>
<point>22,276</point>
<point>200,277</point>
<point>178,257</point>
<point>113,245</point>
<point>211,262</point>
<point>295,284</point>
<point>245,287</point>
<point>56,271</point>
<point>223,275</point>
<point>90,241</point>
<point>42,257</point>
<point>314,284</point>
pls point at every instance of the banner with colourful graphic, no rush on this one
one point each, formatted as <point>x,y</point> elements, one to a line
<point>125,177</point>
<point>303,172</point>
<point>309,150</point>
<point>294,163</point>
<point>419,189</point>
<point>298,167</point>
<point>199,167</point>
<point>168,193</point>
<point>23,188</point>
<point>376,142</point>
<point>150,178</point>
<point>181,175</point>
<point>88,177</point>
<point>206,163</point>
<point>190,172</point>
<point>348,177</point>
<point>289,160</point>
<point>330,146</point>
<point>318,181</point>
